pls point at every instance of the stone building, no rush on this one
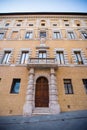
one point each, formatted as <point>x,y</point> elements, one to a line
<point>43,63</point>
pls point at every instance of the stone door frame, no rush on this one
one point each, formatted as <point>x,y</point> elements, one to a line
<point>29,105</point>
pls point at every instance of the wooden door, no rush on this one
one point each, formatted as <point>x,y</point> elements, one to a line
<point>42,93</point>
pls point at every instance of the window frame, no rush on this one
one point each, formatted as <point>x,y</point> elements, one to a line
<point>85,84</point>
<point>78,57</point>
<point>44,32</point>
<point>6,57</point>
<point>71,35</point>
<point>60,57</point>
<point>13,87</point>
<point>30,35</point>
<point>43,54</point>
<point>2,37</point>
<point>24,57</point>
<point>82,34</point>
<point>68,86</point>
<point>58,35</point>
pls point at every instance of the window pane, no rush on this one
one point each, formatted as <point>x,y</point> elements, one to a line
<point>42,34</point>
<point>24,57</point>
<point>6,57</point>
<point>28,35</point>
<point>1,35</point>
<point>15,86</point>
<point>66,90</point>
<point>54,35</point>
<point>85,84</point>
<point>42,54</point>
<point>84,35</point>
<point>68,86</point>
<point>78,57</point>
<point>71,35</point>
<point>60,57</point>
<point>57,35</point>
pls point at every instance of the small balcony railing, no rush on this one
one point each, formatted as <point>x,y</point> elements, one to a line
<point>42,62</point>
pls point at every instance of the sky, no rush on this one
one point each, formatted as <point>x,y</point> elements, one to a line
<point>7,6</point>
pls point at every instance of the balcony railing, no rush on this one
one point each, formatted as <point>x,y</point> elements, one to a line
<point>42,62</point>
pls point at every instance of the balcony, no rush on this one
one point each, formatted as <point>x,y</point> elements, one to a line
<point>42,63</point>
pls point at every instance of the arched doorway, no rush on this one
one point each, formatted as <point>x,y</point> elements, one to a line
<point>42,92</point>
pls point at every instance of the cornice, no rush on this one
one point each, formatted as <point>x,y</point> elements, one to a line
<point>44,15</point>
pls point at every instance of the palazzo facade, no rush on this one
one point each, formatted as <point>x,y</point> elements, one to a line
<point>43,63</point>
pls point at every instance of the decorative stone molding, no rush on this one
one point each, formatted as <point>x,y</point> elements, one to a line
<point>53,97</point>
<point>54,106</point>
<point>28,106</point>
<point>11,55</point>
<point>82,54</point>
<point>65,55</point>
<point>20,52</point>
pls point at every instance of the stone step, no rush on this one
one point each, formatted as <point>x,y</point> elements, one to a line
<point>41,111</point>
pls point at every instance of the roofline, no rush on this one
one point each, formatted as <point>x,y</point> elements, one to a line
<point>44,13</point>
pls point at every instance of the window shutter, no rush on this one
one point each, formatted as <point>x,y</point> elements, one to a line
<point>1,56</point>
<point>10,58</point>
<point>84,58</point>
<point>18,58</point>
<point>66,57</point>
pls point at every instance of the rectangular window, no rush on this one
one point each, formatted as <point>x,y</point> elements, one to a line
<point>84,34</point>
<point>42,34</point>
<point>20,20</point>
<point>54,24</point>
<point>85,84</point>
<point>1,36</point>
<point>71,35</point>
<point>65,20</point>
<point>18,24</point>
<point>66,24</point>
<point>42,24</point>
<point>42,54</point>
<point>78,57</point>
<point>24,57</point>
<point>6,57</point>
<point>28,35</point>
<point>68,86</point>
<point>15,86</point>
<point>56,35</point>
<point>30,24</point>
<point>60,57</point>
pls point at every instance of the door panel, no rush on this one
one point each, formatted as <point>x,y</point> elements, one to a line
<point>42,93</point>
